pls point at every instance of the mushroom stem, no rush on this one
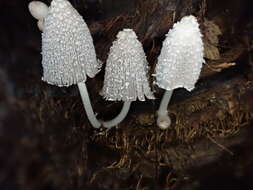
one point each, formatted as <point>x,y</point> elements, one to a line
<point>119,117</point>
<point>87,105</point>
<point>163,120</point>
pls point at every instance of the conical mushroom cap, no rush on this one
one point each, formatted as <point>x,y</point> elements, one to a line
<point>126,70</point>
<point>181,58</point>
<point>68,53</point>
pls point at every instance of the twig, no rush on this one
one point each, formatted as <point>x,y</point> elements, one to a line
<point>220,145</point>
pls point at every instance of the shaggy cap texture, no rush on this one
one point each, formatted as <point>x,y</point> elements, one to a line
<point>68,53</point>
<point>126,70</point>
<point>181,58</point>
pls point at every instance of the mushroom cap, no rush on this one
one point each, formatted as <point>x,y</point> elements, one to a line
<point>68,53</point>
<point>180,61</point>
<point>126,70</point>
<point>38,9</point>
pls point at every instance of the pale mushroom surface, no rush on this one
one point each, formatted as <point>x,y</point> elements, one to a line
<point>126,70</point>
<point>180,61</point>
<point>38,9</point>
<point>68,53</point>
<point>40,25</point>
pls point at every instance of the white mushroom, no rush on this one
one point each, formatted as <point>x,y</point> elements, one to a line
<point>68,53</point>
<point>38,9</point>
<point>40,25</point>
<point>126,74</point>
<point>179,63</point>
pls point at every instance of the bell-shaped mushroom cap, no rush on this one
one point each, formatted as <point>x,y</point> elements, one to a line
<point>181,58</point>
<point>126,70</point>
<point>68,53</point>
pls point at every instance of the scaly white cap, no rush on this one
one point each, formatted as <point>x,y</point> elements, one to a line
<point>68,53</point>
<point>126,70</point>
<point>181,58</point>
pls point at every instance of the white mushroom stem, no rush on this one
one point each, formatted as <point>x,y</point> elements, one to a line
<point>91,115</point>
<point>87,105</point>
<point>120,117</point>
<point>40,25</point>
<point>163,120</point>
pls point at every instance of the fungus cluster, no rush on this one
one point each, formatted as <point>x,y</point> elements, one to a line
<point>68,57</point>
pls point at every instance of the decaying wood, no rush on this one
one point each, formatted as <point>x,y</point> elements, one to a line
<point>214,113</point>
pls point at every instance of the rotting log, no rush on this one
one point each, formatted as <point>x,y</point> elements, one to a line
<point>219,112</point>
